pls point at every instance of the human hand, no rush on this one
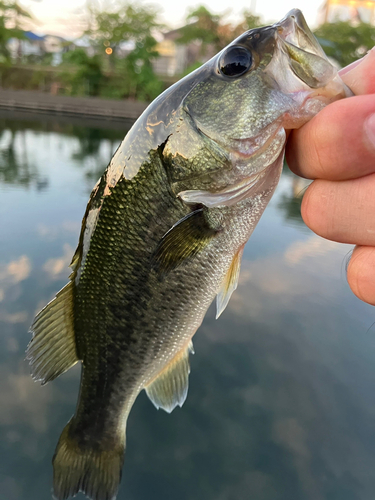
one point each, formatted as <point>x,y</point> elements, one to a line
<point>337,149</point>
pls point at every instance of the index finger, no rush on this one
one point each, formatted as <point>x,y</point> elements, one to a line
<point>335,144</point>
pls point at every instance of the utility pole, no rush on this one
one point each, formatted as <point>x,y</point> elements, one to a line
<point>326,12</point>
<point>253,6</point>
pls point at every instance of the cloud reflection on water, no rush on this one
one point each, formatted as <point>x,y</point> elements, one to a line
<point>16,270</point>
<point>57,268</point>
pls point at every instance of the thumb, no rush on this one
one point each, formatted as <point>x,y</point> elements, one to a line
<point>360,75</point>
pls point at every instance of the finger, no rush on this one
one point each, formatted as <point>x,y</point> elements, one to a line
<point>342,211</point>
<point>361,273</point>
<point>361,77</point>
<point>338,143</point>
<point>350,67</point>
<point>320,148</point>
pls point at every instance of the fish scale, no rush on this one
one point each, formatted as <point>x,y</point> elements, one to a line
<point>163,234</point>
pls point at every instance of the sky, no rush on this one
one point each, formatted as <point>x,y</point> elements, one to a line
<point>65,18</point>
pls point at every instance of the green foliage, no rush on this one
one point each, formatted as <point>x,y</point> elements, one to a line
<point>132,76</point>
<point>26,78</point>
<point>204,27</point>
<point>34,59</point>
<point>142,81</point>
<point>12,17</point>
<point>250,21</point>
<point>77,56</point>
<point>129,22</point>
<point>87,76</point>
<point>345,42</point>
<point>210,30</point>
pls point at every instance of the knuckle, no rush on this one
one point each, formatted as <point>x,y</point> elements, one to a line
<point>323,153</point>
<point>317,153</point>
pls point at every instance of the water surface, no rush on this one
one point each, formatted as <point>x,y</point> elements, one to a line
<point>281,403</point>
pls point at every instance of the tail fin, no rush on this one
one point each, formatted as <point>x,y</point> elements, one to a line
<point>96,473</point>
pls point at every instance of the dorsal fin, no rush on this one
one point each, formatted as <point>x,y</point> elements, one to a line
<point>52,349</point>
<point>170,387</point>
<point>229,284</point>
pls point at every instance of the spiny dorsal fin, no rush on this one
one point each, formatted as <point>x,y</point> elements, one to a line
<point>229,284</point>
<point>170,387</point>
<point>185,239</point>
<point>52,350</point>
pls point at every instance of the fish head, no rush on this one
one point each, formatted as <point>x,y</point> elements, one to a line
<point>233,121</point>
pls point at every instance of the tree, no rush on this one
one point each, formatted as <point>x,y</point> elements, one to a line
<point>209,29</point>
<point>134,23</point>
<point>12,18</point>
<point>109,29</point>
<point>142,80</point>
<point>346,42</point>
<point>203,26</point>
<point>88,76</point>
<point>250,21</point>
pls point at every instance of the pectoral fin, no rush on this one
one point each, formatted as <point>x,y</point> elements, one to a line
<point>170,387</point>
<point>185,239</point>
<point>229,284</point>
<point>52,350</point>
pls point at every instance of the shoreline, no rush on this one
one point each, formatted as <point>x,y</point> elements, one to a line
<point>29,101</point>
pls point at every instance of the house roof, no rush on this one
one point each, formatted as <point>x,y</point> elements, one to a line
<point>33,36</point>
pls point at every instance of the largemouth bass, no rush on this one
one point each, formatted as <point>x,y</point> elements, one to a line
<point>163,235</point>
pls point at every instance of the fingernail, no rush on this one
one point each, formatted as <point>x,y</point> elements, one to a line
<point>351,66</point>
<point>370,128</point>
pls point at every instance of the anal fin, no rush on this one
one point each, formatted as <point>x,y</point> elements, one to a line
<point>170,387</point>
<point>52,349</point>
<point>229,284</point>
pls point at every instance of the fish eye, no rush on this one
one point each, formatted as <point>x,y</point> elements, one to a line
<point>235,61</point>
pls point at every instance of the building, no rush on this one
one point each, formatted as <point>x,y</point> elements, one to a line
<point>56,45</point>
<point>174,58</point>
<point>35,47</point>
<point>31,45</point>
<point>347,10</point>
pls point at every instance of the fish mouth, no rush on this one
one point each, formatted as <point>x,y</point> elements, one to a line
<point>302,70</point>
<point>294,30</point>
<point>305,56</point>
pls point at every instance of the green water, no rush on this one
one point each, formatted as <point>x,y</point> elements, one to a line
<point>281,403</point>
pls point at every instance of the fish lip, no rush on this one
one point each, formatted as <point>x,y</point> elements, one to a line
<point>290,26</point>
